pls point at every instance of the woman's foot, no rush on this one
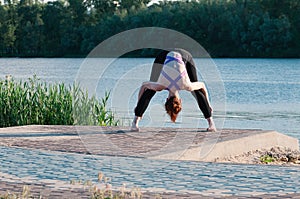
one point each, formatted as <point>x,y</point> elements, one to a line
<point>211,125</point>
<point>134,128</point>
<point>211,129</point>
<point>135,124</point>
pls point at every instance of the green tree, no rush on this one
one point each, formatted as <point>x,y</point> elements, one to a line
<point>8,26</point>
<point>232,28</point>
<point>77,11</point>
<point>72,27</point>
<point>275,34</point>
<point>101,8</point>
<point>132,5</point>
<point>29,31</point>
<point>52,17</point>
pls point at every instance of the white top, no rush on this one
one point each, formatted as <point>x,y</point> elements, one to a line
<point>173,74</point>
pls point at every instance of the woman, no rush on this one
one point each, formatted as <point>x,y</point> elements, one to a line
<point>173,71</point>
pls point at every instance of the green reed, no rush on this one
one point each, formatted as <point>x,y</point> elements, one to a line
<point>36,102</point>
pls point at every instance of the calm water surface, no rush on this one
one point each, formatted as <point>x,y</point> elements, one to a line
<point>260,93</point>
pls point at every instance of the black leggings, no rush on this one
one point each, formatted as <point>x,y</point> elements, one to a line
<point>156,69</point>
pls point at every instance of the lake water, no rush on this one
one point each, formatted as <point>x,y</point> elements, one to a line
<point>259,93</point>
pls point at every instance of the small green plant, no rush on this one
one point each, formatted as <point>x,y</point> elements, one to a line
<point>267,159</point>
<point>36,102</point>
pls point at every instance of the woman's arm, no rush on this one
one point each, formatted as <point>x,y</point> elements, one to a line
<point>150,85</point>
<point>199,86</point>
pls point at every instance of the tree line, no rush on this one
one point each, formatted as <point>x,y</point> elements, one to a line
<point>72,28</point>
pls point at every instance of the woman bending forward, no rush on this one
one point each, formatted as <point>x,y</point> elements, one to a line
<point>173,71</point>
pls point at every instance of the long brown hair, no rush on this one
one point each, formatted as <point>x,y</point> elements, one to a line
<point>173,107</point>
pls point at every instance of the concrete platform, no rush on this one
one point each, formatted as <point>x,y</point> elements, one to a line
<point>47,158</point>
<point>151,143</point>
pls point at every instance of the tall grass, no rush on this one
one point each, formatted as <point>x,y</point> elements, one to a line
<point>36,102</point>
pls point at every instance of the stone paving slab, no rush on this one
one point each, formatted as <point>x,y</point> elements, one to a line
<point>48,157</point>
<point>177,179</point>
<point>157,143</point>
<point>41,190</point>
<point>44,188</point>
